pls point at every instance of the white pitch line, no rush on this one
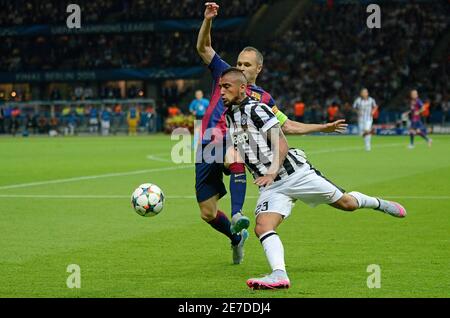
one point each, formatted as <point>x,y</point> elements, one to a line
<point>108,175</point>
<point>120,174</point>
<point>156,158</point>
<point>172,197</point>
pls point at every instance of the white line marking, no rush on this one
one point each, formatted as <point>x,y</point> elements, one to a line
<point>108,175</point>
<point>156,158</point>
<point>120,174</point>
<point>172,197</point>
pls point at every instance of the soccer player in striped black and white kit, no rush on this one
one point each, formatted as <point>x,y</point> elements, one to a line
<point>283,174</point>
<point>209,183</point>
<point>366,106</point>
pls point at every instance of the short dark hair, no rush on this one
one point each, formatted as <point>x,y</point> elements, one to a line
<point>235,70</point>
<point>259,55</point>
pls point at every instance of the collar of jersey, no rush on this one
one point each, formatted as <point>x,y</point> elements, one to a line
<point>244,102</point>
<point>233,108</point>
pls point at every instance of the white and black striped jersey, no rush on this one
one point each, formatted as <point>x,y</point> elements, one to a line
<point>248,125</point>
<point>365,108</point>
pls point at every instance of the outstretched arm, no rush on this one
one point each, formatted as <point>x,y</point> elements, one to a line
<point>297,128</point>
<point>204,47</point>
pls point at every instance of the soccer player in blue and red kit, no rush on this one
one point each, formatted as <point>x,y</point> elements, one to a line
<point>417,126</point>
<point>209,175</point>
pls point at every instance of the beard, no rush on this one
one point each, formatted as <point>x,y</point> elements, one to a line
<point>229,103</point>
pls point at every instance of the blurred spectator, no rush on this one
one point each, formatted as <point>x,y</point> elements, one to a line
<point>72,123</point>
<point>30,124</point>
<point>105,121</point>
<point>117,119</point>
<point>53,126</point>
<point>199,105</point>
<point>79,113</point>
<point>333,112</point>
<point>348,113</point>
<point>173,110</point>
<point>151,118</point>
<point>376,114</point>
<point>426,111</point>
<point>107,51</point>
<point>329,54</point>
<point>132,120</point>
<point>42,124</point>
<point>25,12</point>
<point>93,120</point>
<point>15,120</point>
<point>299,111</point>
<point>198,108</point>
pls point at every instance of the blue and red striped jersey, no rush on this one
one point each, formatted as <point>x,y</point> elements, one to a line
<point>214,116</point>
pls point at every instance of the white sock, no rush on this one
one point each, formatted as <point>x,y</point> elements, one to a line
<point>367,140</point>
<point>364,201</point>
<point>273,247</point>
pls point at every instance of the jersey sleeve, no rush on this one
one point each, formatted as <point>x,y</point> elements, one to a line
<point>355,103</point>
<point>217,66</point>
<point>263,117</point>
<point>270,101</point>
<point>282,118</point>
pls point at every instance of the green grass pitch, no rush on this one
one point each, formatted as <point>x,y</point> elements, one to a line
<point>53,217</point>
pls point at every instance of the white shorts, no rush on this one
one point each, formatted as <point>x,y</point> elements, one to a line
<point>364,125</point>
<point>307,185</point>
<point>105,124</point>
<point>93,121</point>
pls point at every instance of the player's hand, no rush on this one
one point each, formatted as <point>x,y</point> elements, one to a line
<point>266,180</point>
<point>338,126</point>
<point>211,10</point>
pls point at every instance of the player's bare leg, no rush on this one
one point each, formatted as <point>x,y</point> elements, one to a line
<point>412,133</point>
<point>220,222</point>
<point>266,224</point>
<point>423,134</point>
<point>208,208</point>
<point>367,135</point>
<point>355,200</point>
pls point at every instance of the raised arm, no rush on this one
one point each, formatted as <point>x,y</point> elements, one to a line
<point>297,128</point>
<point>204,47</point>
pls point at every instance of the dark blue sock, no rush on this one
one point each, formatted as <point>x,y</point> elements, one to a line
<point>238,187</point>
<point>222,224</point>
<point>423,134</point>
<point>411,139</point>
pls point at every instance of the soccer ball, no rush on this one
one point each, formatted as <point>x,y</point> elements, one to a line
<point>147,200</point>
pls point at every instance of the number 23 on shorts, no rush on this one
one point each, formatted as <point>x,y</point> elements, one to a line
<point>264,206</point>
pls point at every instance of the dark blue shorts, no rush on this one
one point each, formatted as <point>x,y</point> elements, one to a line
<point>209,181</point>
<point>209,175</point>
<point>417,125</point>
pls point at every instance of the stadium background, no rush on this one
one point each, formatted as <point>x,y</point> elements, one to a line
<point>66,200</point>
<point>135,54</point>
